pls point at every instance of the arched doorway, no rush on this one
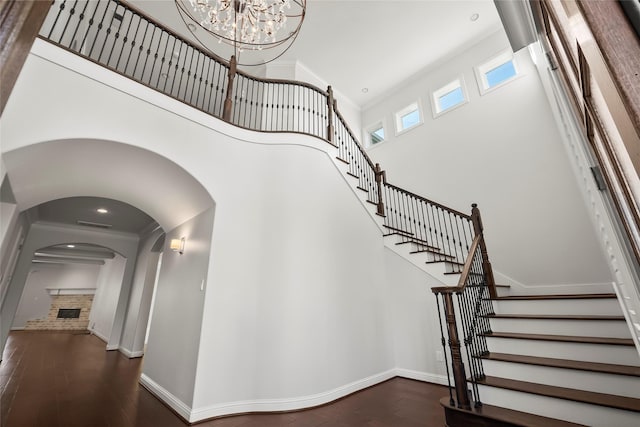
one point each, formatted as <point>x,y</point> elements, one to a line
<point>52,171</point>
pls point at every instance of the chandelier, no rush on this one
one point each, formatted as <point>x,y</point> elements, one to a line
<point>246,25</point>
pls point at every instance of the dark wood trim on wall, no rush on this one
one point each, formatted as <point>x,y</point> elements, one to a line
<point>20,21</point>
<point>620,48</point>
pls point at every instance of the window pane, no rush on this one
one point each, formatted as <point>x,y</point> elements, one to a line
<point>500,74</point>
<point>410,119</point>
<point>377,135</point>
<point>451,99</point>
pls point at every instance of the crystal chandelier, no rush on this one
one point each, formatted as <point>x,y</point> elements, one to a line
<point>246,25</point>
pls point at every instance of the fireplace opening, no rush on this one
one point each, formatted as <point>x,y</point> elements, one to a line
<point>69,313</point>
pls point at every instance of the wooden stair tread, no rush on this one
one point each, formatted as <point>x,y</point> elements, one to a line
<point>353,175</point>
<point>504,416</point>
<point>558,296</point>
<point>399,230</point>
<point>434,251</point>
<point>606,368</point>
<point>552,316</point>
<point>561,338</point>
<point>601,399</point>
<point>343,160</point>
<point>445,260</point>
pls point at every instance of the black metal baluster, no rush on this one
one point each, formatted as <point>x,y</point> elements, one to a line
<point>108,33</point>
<point>66,25</point>
<point>155,55</point>
<point>444,350</point>
<point>55,21</point>
<point>125,39</point>
<point>95,40</point>
<point>80,19</point>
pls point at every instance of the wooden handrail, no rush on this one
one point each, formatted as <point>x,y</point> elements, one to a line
<point>463,215</point>
<point>201,49</point>
<point>466,270</point>
<point>352,135</point>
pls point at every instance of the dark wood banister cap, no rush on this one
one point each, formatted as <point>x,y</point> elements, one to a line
<point>465,271</point>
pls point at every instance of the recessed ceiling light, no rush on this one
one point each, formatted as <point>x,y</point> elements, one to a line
<point>102,210</point>
<point>474,17</point>
<point>71,246</point>
<point>365,89</point>
<point>191,26</point>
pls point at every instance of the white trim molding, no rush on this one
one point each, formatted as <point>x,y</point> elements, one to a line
<point>289,404</point>
<point>164,395</point>
<point>422,376</point>
<point>131,354</point>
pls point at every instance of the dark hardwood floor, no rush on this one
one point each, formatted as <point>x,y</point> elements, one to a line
<point>65,379</point>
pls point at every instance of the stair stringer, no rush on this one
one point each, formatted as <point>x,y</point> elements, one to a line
<point>435,270</point>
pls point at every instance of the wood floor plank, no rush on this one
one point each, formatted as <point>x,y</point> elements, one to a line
<point>62,379</point>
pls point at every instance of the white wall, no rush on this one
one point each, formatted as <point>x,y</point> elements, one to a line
<point>174,333</point>
<point>105,301</point>
<point>503,151</point>
<point>295,296</point>
<point>138,311</point>
<point>416,331</point>
<point>36,300</point>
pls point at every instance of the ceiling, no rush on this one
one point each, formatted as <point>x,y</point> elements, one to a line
<point>372,44</point>
<point>119,216</point>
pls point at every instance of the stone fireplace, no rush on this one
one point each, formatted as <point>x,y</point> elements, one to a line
<point>69,311</point>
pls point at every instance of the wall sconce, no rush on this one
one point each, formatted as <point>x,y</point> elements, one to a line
<point>177,245</point>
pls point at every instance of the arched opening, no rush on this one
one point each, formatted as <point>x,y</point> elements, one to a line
<point>59,188</point>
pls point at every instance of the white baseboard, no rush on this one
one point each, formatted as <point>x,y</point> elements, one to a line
<point>110,347</point>
<point>161,393</point>
<point>279,405</point>
<point>289,404</point>
<point>422,376</point>
<point>131,354</point>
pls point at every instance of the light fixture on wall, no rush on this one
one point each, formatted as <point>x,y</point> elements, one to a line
<point>177,245</point>
<point>246,25</point>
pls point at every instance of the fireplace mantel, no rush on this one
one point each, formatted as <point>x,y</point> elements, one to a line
<point>71,291</point>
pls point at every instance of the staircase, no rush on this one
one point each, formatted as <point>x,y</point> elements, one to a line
<point>565,358</point>
<point>555,360</point>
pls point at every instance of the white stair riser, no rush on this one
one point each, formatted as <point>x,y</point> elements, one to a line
<point>616,354</point>
<point>593,328</point>
<point>604,306</point>
<point>592,415</point>
<point>571,378</point>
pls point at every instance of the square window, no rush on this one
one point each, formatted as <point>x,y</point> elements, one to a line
<point>408,118</point>
<point>449,96</point>
<point>451,99</point>
<point>376,135</point>
<point>496,72</point>
<point>500,74</point>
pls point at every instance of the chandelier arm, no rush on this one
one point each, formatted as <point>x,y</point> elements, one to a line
<point>245,25</point>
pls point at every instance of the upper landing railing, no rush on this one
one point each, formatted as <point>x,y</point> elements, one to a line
<point>123,39</point>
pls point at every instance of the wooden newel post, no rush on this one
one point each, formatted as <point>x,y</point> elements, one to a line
<point>228,103</point>
<point>330,113</point>
<point>380,179</point>
<point>486,264</point>
<point>457,365</point>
